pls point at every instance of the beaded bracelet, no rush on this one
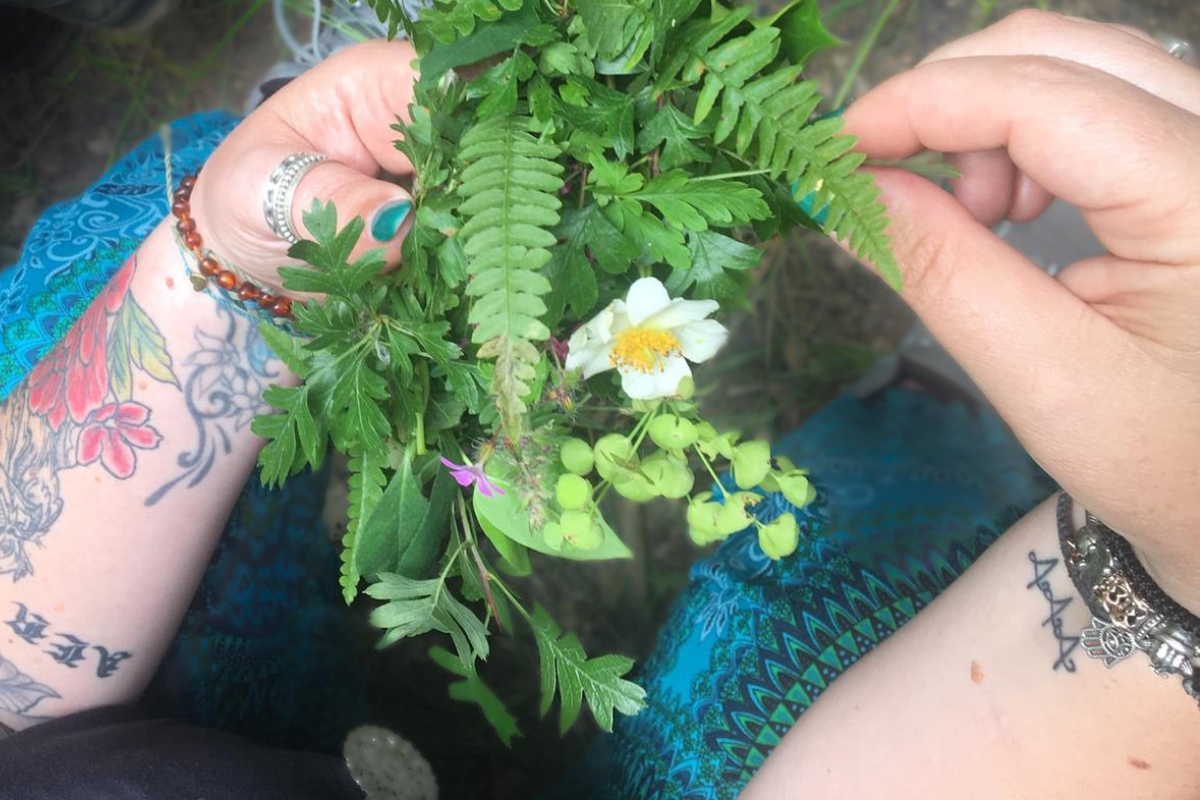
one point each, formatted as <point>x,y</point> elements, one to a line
<point>243,294</point>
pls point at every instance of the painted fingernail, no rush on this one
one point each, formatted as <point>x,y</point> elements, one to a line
<point>389,219</point>
<point>808,203</point>
<point>837,112</point>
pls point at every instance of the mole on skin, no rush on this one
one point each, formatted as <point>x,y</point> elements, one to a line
<point>1137,763</point>
<point>976,673</point>
<point>170,283</point>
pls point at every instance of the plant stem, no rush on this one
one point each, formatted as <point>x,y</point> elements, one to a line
<point>744,173</point>
<point>708,466</point>
<point>864,50</point>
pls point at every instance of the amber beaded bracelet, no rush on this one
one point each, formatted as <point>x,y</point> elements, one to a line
<point>278,308</point>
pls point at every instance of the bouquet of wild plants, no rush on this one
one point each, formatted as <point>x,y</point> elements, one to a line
<point>587,197</point>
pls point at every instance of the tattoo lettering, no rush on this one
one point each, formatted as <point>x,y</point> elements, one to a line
<point>33,627</point>
<point>68,654</point>
<point>19,693</point>
<point>223,394</point>
<point>76,408</point>
<point>30,627</point>
<point>109,661</point>
<point>1042,567</point>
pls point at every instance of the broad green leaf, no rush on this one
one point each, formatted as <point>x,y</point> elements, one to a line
<point>472,689</point>
<point>802,34</point>
<point>507,516</point>
<point>421,545</point>
<point>565,667</point>
<point>486,41</point>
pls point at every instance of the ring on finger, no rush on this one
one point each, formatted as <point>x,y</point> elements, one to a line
<point>281,191</point>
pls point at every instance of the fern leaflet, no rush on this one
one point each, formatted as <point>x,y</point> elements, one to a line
<point>366,489</point>
<point>768,118</point>
<point>509,187</point>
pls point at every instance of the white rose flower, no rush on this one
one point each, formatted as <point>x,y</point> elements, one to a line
<point>648,338</point>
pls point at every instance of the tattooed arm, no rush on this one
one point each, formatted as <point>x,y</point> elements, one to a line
<point>124,450</point>
<point>988,693</point>
<point>121,456</point>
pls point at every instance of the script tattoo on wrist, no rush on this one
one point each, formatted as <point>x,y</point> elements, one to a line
<point>64,648</point>
<point>223,393</point>
<point>1042,569</point>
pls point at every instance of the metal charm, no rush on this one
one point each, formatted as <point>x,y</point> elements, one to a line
<point>1107,642</point>
<point>281,190</point>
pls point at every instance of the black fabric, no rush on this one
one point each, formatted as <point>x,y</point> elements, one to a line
<point>119,753</point>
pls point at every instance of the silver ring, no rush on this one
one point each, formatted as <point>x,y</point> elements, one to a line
<point>281,190</point>
<point>1176,47</point>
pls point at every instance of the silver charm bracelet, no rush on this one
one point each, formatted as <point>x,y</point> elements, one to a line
<point>1129,610</point>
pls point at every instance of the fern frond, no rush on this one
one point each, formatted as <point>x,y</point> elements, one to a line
<point>366,488</point>
<point>767,117</point>
<point>510,187</point>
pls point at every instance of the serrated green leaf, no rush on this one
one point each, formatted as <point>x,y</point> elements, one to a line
<point>331,270</point>
<point>716,263</point>
<point>420,606</point>
<point>472,689</point>
<point>672,131</point>
<point>565,667</point>
<point>289,349</point>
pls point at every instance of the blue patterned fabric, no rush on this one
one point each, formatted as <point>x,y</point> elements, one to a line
<point>263,649</point>
<point>911,491</point>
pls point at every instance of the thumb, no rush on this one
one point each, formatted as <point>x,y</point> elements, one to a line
<point>385,208</point>
<point>1015,329</point>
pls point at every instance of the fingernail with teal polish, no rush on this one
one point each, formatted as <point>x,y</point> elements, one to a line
<point>389,219</point>
<point>837,112</point>
<point>807,204</point>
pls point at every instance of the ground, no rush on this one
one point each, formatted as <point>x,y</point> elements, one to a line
<point>816,320</point>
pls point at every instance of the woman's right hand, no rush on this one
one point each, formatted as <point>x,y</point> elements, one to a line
<point>1097,370</point>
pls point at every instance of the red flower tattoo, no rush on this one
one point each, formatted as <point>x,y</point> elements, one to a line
<point>73,377</point>
<point>112,433</point>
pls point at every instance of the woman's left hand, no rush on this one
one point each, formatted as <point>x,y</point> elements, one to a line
<point>343,108</point>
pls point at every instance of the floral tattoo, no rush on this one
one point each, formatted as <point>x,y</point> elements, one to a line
<point>76,409</point>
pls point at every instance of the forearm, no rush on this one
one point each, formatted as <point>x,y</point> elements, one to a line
<point>988,694</point>
<point>121,456</point>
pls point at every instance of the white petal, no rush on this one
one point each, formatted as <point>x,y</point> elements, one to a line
<point>596,333</point>
<point>651,385</point>
<point>701,340</point>
<point>647,297</point>
<point>597,360</point>
<point>681,312</point>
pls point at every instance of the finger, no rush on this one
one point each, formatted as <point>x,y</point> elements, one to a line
<point>1112,167</point>
<point>1029,199</point>
<point>1123,52</point>
<point>385,208</point>
<point>986,186</point>
<point>1154,302</point>
<point>346,106</point>
<point>988,304</point>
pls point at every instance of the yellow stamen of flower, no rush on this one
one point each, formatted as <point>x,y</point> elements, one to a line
<point>644,349</point>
